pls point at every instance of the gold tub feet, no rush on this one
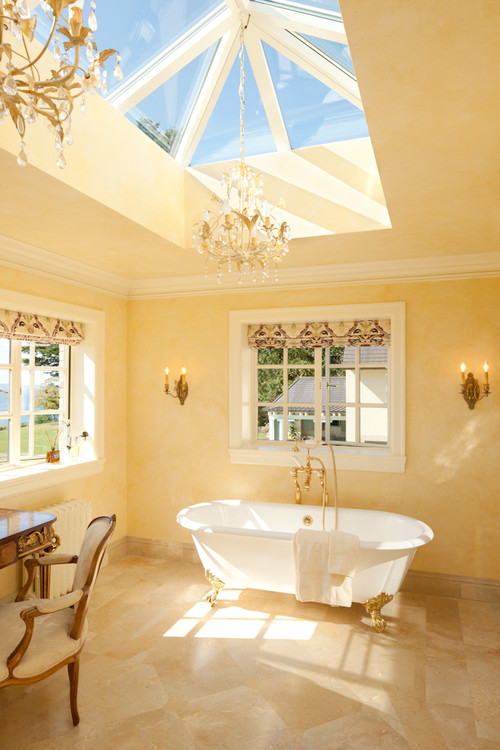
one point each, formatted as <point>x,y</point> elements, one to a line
<point>373,607</point>
<point>216,584</point>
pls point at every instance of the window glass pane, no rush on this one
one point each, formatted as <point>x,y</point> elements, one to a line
<point>337,424</point>
<point>301,386</point>
<point>221,138</point>
<point>138,29</point>
<point>350,424</point>
<point>270,385</point>
<point>342,386</point>
<point>25,390</point>
<point>373,354</point>
<point>46,433</point>
<point>270,423</point>
<point>4,390</point>
<point>332,6</point>
<point>47,390</point>
<point>342,355</point>
<point>164,113</point>
<point>301,356</point>
<point>25,436</point>
<point>300,424</point>
<point>4,351</point>
<point>373,385</point>
<point>4,440</point>
<point>25,354</point>
<point>270,356</point>
<point>337,51</point>
<point>313,113</point>
<point>47,355</point>
<point>373,426</point>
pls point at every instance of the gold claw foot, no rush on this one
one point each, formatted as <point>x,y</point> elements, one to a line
<point>216,584</point>
<point>373,607</point>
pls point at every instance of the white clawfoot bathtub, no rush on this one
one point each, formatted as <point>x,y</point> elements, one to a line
<point>249,544</point>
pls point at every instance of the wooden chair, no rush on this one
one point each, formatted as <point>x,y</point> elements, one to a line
<point>31,651</point>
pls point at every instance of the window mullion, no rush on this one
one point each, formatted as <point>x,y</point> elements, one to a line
<point>318,351</point>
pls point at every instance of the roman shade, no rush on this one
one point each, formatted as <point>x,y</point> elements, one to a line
<point>329,333</point>
<point>39,328</point>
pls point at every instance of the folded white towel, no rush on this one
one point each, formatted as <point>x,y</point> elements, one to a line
<point>313,580</point>
<point>343,554</point>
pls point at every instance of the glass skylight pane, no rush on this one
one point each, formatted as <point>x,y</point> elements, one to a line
<point>316,6</point>
<point>164,113</point>
<point>221,138</point>
<point>337,51</point>
<point>313,113</point>
<point>138,29</point>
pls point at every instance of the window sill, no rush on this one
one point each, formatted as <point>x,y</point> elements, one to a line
<point>346,459</point>
<point>39,476</point>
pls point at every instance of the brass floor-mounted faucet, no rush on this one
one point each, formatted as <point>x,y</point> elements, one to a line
<point>309,472</point>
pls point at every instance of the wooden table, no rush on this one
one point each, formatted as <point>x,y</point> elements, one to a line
<point>23,532</point>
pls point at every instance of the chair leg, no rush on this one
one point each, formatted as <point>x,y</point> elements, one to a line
<point>73,670</point>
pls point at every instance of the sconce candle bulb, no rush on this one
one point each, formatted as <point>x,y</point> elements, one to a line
<point>485,368</point>
<point>462,369</point>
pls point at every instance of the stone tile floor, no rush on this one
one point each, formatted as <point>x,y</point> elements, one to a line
<point>161,669</point>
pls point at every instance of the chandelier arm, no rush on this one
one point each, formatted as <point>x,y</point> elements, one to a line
<point>41,54</point>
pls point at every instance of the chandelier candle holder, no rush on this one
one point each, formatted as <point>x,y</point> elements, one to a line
<point>25,95</point>
<point>242,234</point>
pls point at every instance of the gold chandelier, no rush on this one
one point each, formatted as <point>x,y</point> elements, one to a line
<point>25,94</point>
<point>241,233</point>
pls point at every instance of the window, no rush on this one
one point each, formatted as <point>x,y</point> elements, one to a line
<point>333,394</point>
<point>34,398</point>
<point>351,396</point>
<point>40,386</point>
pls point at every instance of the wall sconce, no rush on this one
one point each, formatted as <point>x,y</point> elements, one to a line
<point>180,388</point>
<point>470,389</point>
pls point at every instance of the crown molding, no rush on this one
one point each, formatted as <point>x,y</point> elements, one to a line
<point>443,268</point>
<point>31,259</point>
<point>24,257</point>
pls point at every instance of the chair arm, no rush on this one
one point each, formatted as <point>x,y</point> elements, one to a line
<point>42,607</point>
<point>39,562</point>
<point>57,558</point>
<point>47,606</point>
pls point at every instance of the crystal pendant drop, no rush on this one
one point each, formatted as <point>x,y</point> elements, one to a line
<point>92,21</point>
<point>61,161</point>
<point>9,85</point>
<point>82,104</point>
<point>20,125</point>
<point>29,114</point>
<point>22,159</point>
<point>68,137</point>
<point>118,72</point>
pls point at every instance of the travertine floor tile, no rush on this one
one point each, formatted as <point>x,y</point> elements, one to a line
<point>162,670</point>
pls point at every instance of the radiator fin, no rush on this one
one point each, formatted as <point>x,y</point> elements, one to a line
<point>73,517</point>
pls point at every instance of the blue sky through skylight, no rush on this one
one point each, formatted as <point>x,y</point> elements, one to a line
<point>313,113</point>
<point>221,138</point>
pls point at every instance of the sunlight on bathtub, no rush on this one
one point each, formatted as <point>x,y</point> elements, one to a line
<point>204,621</point>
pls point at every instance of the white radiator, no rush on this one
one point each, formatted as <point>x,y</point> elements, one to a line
<point>73,517</point>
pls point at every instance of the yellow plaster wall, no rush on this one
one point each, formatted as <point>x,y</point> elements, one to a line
<point>178,455</point>
<point>106,491</point>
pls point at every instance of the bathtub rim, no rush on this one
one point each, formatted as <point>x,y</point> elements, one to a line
<point>397,544</point>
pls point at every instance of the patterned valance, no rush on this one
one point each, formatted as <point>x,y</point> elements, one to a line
<point>44,330</point>
<point>334,333</point>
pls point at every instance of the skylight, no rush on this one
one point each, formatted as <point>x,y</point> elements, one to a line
<point>300,83</point>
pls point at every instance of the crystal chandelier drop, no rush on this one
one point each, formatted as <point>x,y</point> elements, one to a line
<point>26,95</point>
<point>242,234</point>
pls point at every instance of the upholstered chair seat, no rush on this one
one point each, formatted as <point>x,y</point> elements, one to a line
<point>39,636</point>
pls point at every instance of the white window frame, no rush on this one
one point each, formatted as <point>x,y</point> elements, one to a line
<point>87,397</point>
<point>243,389</point>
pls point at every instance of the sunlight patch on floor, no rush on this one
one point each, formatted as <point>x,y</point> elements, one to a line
<point>221,621</point>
